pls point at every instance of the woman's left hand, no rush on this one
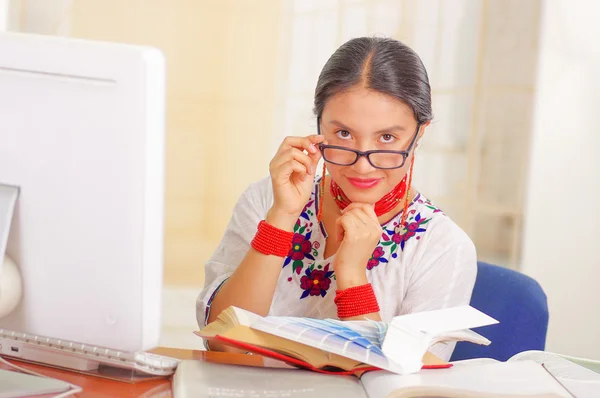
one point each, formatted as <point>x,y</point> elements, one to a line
<point>359,231</point>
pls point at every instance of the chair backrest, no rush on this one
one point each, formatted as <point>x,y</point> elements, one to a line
<point>518,302</point>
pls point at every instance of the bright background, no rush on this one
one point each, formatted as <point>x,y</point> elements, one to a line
<point>512,155</point>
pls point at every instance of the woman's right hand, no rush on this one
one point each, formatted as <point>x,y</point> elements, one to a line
<point>292,176</point>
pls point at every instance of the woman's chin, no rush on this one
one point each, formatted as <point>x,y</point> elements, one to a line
<point>370,196</point>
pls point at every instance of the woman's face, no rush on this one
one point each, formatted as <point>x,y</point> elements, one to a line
<point>366,120</point>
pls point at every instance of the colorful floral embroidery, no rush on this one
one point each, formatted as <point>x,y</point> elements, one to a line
<point>402,233</point>
<point>302,248</point>
<point>314,279</point>
<point>430,205</point>
<point>316,282</point>
<point>376,258</point>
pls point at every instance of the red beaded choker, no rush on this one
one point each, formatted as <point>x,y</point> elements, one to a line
<point>384,205</point>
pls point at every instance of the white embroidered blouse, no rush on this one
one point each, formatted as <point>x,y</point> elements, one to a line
<point>430,264</point>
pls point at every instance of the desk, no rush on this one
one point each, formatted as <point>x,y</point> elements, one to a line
<point>96,387</point>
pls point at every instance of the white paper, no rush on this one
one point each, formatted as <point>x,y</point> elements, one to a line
<point>462,335</point>
<point>246,318</point>
<point>487,379</point>
<point>445,320</point>
<point>558,366</point>
<point>582,388</point>
<point>581,382</point>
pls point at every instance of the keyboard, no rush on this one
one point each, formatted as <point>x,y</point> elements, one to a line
<point>79,356</point>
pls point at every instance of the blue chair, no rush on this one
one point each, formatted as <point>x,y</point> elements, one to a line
<point>518,302</point>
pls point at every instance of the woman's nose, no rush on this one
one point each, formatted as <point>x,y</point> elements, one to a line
<point>362,165</point>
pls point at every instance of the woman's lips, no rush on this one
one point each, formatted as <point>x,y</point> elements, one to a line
<point>364,183</point>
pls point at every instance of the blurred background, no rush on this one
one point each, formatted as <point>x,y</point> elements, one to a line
<point>511,156</point>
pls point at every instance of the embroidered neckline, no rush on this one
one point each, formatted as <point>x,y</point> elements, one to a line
<point>312,274</point>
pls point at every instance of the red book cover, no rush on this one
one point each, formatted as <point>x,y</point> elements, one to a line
<point>297,362</point>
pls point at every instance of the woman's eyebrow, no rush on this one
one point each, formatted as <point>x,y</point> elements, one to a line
<point>382,131</point>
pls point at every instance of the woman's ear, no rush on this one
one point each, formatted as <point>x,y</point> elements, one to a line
<point>422,131</point>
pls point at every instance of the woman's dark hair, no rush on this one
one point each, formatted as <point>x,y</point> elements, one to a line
<point>381,64</point>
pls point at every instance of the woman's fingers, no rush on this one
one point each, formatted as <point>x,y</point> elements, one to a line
<point>347,224</point>
<point>361,215</point>
<point>358,223</point>
<point>339,229</point>
<point>297,155</point>
<point>293,166</point>
<point>366,208</point>
<point>308,144</point>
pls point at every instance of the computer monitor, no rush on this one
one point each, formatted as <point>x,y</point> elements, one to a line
<point>82,135</point>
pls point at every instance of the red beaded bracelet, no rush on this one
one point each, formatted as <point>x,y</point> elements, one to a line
<point>271,240</point>
<point>355,301</point>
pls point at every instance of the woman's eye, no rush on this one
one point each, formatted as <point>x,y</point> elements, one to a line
<point>343,134</point>
<point>386,138</point>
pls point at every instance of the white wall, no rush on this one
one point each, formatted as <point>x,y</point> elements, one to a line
<point>3,15</point>
<point>10,12</point>
<point>562,225</point>
<point>480,56</point>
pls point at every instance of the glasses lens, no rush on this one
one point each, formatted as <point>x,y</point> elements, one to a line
<point>386,160</point>
<point>339,156</point>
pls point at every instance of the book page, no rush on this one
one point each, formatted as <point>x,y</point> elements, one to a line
<point>462,335</point>
<point>558,366</point>
<point>374,331</point>
<point>591,364</point>
<point>579,381</point>
<point>244,317</point>
<point>328,336</point>
<point>445,320</point>
<point>475,379</point>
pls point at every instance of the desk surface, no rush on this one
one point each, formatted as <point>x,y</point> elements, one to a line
<point>95,387</point>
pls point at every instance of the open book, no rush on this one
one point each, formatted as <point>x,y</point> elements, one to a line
<point>579,376</point>
<point>531,374</point>
<point>351,347</point>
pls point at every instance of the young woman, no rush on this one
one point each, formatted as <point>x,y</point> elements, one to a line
<point>359,242</point>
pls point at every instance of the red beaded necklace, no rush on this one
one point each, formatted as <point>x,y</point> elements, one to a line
<point>394,196</point>
<point>384,205</point>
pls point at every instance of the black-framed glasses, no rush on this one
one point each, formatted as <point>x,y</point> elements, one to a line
<point>379,159</point>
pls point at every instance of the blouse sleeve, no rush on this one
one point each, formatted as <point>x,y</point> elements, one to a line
<point>251,207</point>
<point>443,277</point>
